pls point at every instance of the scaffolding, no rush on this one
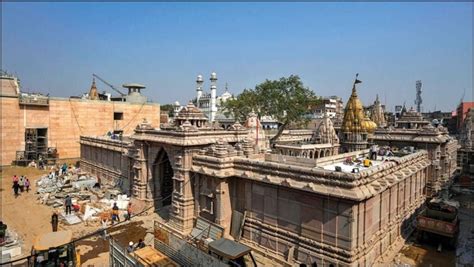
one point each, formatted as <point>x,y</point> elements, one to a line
<point>36,148</point>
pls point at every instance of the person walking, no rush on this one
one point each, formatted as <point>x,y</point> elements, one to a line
<point>64,168</point>
<point>27,185</point>
<point>129,211</point>
<point>21,183</point>
<point>54,221</point>
<point>16,188</point>
<point>115,213</point>
<point>68,204</point>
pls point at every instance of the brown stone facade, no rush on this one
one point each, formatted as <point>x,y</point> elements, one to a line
<point>297,210</point>
<point>306,215</point>
<point>66,120</point>
<point>108,159</point>
<point>441,148</point>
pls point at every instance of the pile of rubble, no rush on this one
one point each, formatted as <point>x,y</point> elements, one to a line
<point>10,246</point>
<point>92,200</point>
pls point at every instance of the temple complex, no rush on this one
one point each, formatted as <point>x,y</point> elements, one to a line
<point>301,202</point>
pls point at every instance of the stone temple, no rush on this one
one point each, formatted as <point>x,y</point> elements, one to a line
<point>301,202</point>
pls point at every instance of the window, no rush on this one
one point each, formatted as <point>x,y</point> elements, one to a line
<point>118,116</point>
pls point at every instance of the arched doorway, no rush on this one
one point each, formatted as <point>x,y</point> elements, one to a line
<point>162,180</point>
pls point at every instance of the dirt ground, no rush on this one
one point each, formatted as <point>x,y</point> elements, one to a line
<point>23,214</point>
<point>30,219</point>
<point>424,253</point>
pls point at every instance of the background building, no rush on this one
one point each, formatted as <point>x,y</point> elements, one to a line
<point>332,106</point>
<point>461,113</point>
<point>209,103</point>
<point>466,140</point>
<point>32,124</point>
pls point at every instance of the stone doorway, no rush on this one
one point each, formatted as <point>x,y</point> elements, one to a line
<point>162,180</point>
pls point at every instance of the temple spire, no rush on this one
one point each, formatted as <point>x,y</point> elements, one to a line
<point>93,94</point>
<point>356,81</point>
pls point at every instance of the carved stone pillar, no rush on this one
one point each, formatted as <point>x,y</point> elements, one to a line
<point>223,206</point>
<point>141,174</point>
<point>197,178</point>
<point>183,202</point>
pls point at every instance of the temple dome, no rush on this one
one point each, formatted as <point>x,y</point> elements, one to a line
<point>354,118</point>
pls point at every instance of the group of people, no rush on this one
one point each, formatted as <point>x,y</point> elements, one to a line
<point>58,170</point>
<point>115,213</point>
<point>20,184</point>
<point>132,247</point>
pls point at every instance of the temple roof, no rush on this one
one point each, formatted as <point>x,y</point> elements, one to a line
<point>412,116</point>
<point>190,112</point>
<point>354,117</point>
<point>325,132</point>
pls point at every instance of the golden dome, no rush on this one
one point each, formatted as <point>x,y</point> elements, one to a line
<point>354,118</point>
<point>369,125</point>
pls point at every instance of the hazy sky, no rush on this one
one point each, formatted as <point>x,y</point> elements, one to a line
<point>55,47</point>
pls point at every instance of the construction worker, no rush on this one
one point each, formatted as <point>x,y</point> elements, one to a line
<point>115,213</point>
<point>129,211</point>
<point>68,204</point>
<point>140,244</point>
<point>367,163</point>
<point>130,247</point>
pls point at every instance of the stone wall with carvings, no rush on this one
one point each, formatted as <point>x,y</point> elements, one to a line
<point>442,151</point>
<point>303,214</point>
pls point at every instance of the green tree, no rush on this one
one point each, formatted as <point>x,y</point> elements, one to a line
<point>169,108</point>
<point>287,100</point>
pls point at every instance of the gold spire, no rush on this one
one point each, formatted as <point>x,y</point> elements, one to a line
<point>354,118</point>
<point>93,95</point>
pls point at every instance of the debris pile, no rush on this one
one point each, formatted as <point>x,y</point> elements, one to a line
<point>10,246</point>
<point>92,201</point>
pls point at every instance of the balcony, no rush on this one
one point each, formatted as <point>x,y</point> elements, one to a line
<point>34,100</point>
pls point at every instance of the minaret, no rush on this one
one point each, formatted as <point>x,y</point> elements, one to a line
<point>213,108</point>
<point>199,83</point>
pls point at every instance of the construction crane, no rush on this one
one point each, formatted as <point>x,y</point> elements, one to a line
<point>418,99</point>
<point>108,84</point>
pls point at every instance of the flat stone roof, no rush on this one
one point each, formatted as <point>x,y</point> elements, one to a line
<point>348,168</point>
<point>304,146</point>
